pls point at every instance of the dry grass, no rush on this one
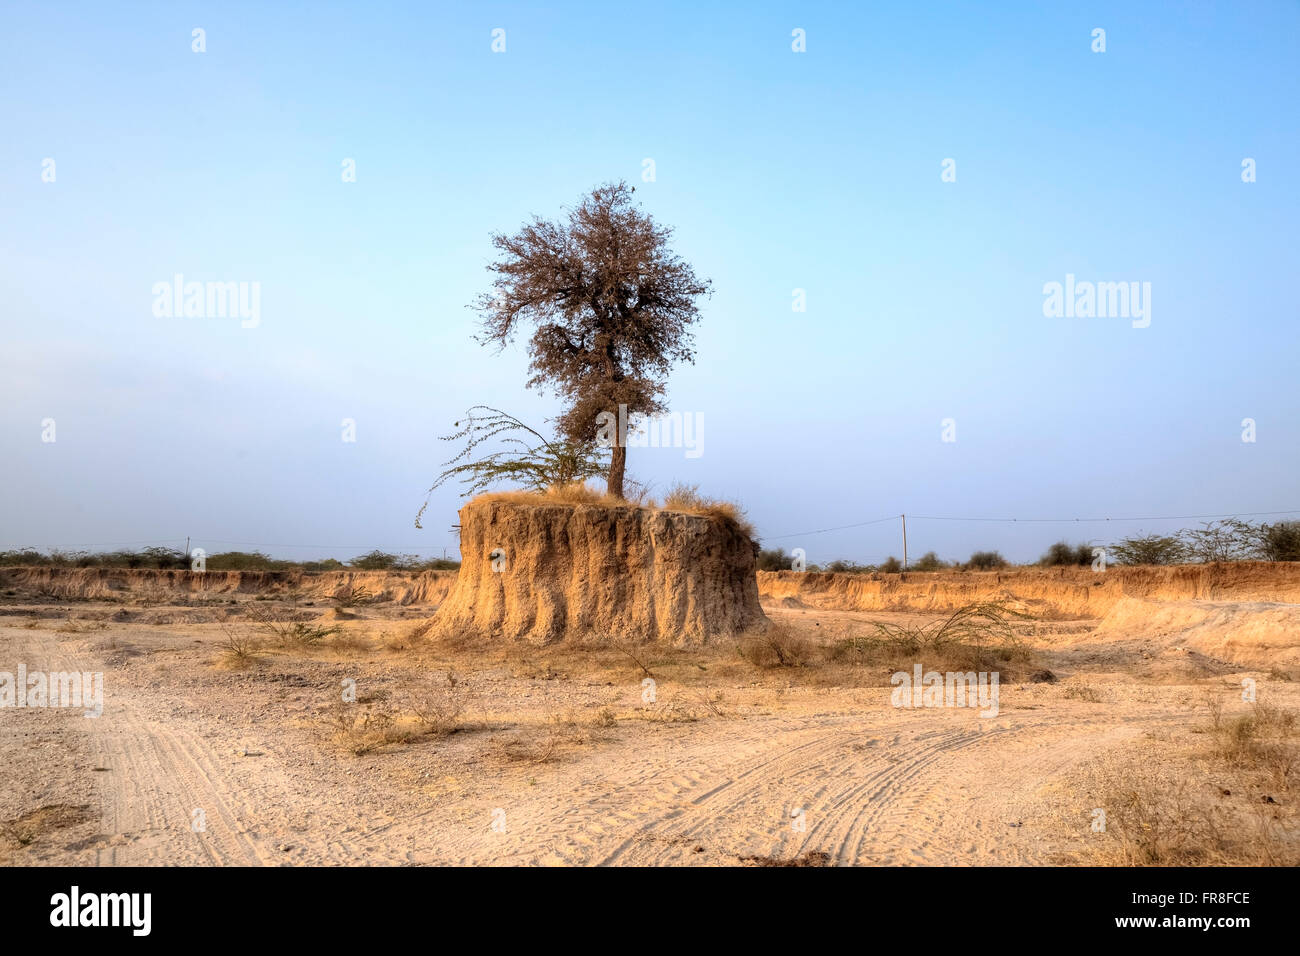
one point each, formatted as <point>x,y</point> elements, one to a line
<point>1084,692</point>
<point>418,632</point>
<point>1262,740</point>
<point>688,500</point>
<point>576,493</point>
<point>348,642</point>
<point>363,728</point>
<point>1210,808</point>
<point>811,858</point>
<point>438,709</point>
<point>70,626</point>
<point>683,499</point>
<point>543,743</point>
<point>383,720</point>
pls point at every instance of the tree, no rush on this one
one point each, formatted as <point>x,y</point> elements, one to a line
<point>611,309</point>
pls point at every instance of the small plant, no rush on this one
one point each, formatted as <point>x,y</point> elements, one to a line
<point>353,595</point>
<point>978,624</point>
<point>239,649</point>
<point>291,633</point>
<point>977,636</point>
<point>544,744</point>
<point>363,728</point>
<point>775,647</point>
<point>438,710</point>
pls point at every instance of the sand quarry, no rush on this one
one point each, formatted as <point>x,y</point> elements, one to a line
<point>225,739</point>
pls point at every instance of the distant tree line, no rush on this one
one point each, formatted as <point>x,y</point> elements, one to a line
<point>1229,539</point>
<point>175,559</point>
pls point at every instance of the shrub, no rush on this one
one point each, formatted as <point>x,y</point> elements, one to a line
<point>376,561</point>
<point>329,564</point>
<point>1063,554</point>
<point>773,559</point>
<point>353,595</point>
<point>775,647</point>
<point>437,564</point>
<point>891,565</point>
<point>845,566</point>
<point>1227,540</point>
<point>244,561</point>
<point>1148,549</point>
<point>929,562</point>
<point>239,649</point>
<point>291,633</point>
<point>986,561</point>
<point>1279,542</point>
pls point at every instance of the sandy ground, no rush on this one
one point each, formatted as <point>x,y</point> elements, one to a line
<point>557,759</point>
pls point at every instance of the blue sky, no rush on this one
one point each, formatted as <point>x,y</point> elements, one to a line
<point>779,170</point>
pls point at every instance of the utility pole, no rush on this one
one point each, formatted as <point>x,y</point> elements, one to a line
<point>904,517</point>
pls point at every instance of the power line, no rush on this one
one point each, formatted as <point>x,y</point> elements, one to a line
<point>1236,514</point>
<point>861,524</point>
<point>200,541</point>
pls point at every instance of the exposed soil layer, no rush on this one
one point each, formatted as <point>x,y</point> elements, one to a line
<point>83,584</point>
<point>1059,592</point>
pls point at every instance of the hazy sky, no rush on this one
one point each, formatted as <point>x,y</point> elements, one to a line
<point>821,171</point>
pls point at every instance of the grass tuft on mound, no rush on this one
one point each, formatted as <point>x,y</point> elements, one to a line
<point>680,499</point>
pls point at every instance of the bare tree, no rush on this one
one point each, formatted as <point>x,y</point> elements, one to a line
<point>611,308</point>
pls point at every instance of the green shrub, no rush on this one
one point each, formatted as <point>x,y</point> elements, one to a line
<point>1063,554</point>
<point>1149,549</point>
<point>986,561</point>
<point>929,562</point>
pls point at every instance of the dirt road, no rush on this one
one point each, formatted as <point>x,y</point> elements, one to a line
<point>170,775</point>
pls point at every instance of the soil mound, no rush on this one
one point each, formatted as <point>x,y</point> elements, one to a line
<point>547,572</point>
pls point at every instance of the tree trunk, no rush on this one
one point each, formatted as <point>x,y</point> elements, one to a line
<point>617,466</point>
